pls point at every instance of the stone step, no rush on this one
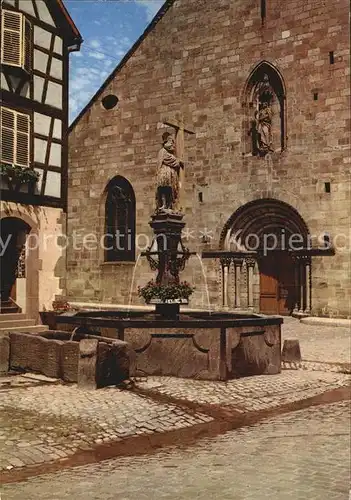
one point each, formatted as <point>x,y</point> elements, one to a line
<point>25,329</point>
<point>11,309</point>
<point>12,317</point>
<point>315,320</point>
<point>16,323</point>
<point>9,306</point>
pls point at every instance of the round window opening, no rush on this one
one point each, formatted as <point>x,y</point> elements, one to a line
<point>109,101</point>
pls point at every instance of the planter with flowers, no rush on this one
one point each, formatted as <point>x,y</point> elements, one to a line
<point>167,297</point>
<point>58,307</point>
<point>16,176</point>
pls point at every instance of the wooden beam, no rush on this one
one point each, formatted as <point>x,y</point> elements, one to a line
<point>17,101</point>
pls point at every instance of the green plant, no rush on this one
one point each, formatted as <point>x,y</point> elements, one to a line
<point>61,305</point>
<point>22,175</point>
<point>174,290</point>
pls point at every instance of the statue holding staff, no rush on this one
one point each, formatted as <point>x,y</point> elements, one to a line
<point>167,176</point>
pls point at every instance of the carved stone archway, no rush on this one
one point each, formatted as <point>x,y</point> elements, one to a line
<point>271,270</point>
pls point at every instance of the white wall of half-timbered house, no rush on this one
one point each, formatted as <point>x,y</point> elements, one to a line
<point>34,106</point>
<point>45,87</point>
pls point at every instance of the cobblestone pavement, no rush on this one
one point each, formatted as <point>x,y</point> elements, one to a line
<point>319,343</point>
<point>304,455</point>
<point>44,423</point>
<point>249,393</point>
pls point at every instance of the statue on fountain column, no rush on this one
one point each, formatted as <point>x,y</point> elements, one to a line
<point>168,170</point>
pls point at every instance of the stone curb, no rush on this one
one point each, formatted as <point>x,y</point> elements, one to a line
<point>317,366</point>
<point>314,320</point>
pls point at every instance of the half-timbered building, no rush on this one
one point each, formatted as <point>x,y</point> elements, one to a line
<point>37,37</point>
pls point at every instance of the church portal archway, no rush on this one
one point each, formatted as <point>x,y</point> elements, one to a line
<point>270,238</point>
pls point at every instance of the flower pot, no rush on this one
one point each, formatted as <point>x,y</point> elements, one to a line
<point>169,301</point>
<point>168,311</point>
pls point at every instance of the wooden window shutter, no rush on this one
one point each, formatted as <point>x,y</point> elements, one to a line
<point>15,137</point>
<point>27,45</point>
<point>12,38</point>
<point>22,140</point>
<point>7,136</point>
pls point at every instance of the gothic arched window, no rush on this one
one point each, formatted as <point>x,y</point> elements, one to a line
<point>265,111</point>
<point>119,221</point>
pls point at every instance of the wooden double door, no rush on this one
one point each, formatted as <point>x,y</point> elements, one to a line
<point>277,283</point>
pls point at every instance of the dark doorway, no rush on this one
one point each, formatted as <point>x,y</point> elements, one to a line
<point>13,233</point>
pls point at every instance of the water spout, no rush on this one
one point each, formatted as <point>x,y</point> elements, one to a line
<point>73,333</point>
<point>132,282</point>
<point>206,284</point>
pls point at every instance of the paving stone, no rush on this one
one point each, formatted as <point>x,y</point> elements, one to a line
<point>38,419</point>
<point>319,343</point>
<point>303,455</point>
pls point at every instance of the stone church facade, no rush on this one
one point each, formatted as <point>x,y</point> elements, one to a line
<point>264,87</point>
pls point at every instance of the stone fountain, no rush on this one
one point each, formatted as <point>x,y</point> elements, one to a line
<point>114,344</point>
<point>202,345</point>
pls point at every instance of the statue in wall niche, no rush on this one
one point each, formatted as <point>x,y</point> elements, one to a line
<point>167,176</point>
<point>264,128</point>
<point>261,131</point>
<point>264,91</point>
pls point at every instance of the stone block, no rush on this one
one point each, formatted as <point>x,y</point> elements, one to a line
<point>257,352</point>
<point>55,355</point>
<point>4,353</point>
<point>113,362</point>
<point>291,351</point>
<point>207,353</point>
<point>87,362</point>
<point>69,360</point>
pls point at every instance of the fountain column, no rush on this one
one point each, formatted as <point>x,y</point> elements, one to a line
<point>305,284</point>
<point>225,262</point>
<point>237,281</point>
<point>308,286</point>
<point>297,284</point>
<point>250,264</point>
<point>302,283</point>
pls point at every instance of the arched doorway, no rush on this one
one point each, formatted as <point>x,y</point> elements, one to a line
<point>13,233</point>
<point>277,236</point>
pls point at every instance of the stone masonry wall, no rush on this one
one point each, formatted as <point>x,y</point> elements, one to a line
<point>196,61</point>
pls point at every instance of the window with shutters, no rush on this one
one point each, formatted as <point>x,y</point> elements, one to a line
<point>16,40</point>
<point>15,138</point>
<point>119,221</point>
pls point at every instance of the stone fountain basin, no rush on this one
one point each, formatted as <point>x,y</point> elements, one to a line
<point>209,346</point>
<point>55,354</point>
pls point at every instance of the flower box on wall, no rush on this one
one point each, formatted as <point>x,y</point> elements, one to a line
<point>18,179</point>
